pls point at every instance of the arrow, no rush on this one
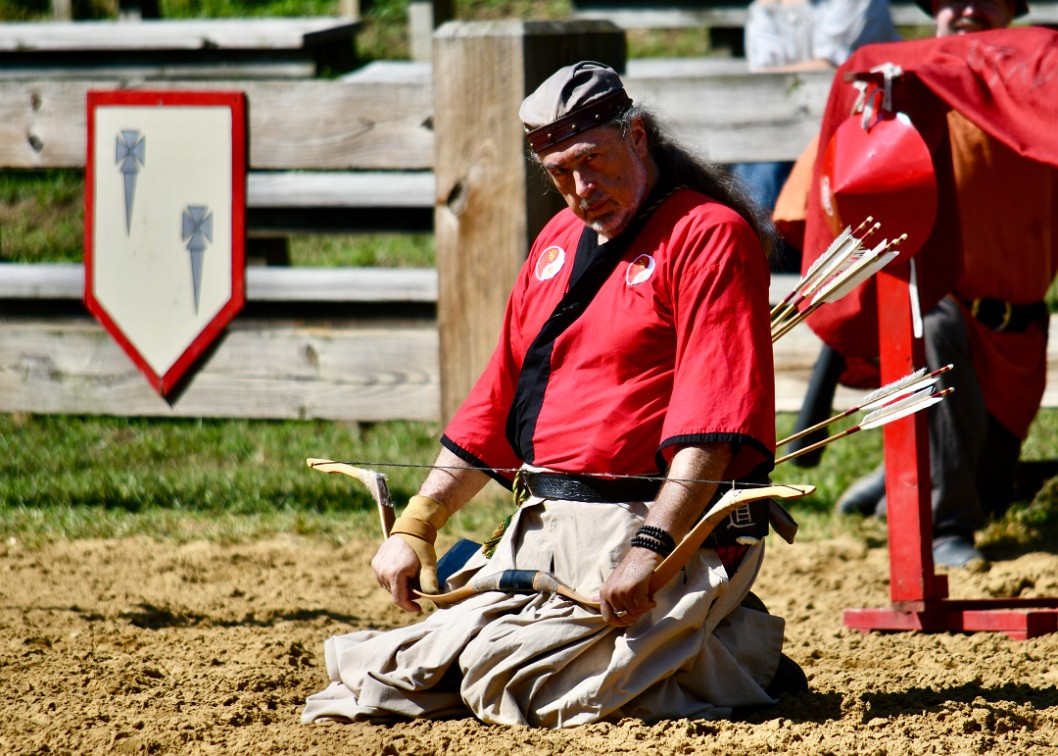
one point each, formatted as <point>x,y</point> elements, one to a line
<point>887,414</point>
<point>859,268</point>
<point>375,482</point>
<point>837,254</point>
<point>891,392</point>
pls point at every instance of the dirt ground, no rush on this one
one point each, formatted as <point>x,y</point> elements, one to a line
<point>130,646</point>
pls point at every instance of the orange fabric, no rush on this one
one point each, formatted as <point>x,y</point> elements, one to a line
<point>791,206</point>
<point>1007,206</point>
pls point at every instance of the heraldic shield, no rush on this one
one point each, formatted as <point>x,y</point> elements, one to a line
<point>165,197</point>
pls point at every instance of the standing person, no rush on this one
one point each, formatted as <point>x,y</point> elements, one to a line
<point>635,343</point>
<point>992,324</point>
<point>804,35</point>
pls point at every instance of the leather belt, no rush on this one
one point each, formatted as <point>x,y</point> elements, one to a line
<point>590,489</point>
<point>751,520</point>
<point>1000,315</point>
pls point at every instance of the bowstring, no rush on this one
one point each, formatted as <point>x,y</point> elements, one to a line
<point>607,476</point>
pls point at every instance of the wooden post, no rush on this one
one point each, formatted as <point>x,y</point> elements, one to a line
<point>62,10</point>
<point>491,201</point>
<point>423,17</point>
<point>349,8</point>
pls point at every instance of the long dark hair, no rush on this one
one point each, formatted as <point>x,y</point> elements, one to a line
<point>681,167</point>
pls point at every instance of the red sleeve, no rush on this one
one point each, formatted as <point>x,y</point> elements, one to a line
<point>724,386</point>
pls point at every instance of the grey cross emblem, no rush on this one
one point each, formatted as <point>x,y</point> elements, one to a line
<point>198,233</point>
<point>130,155</point>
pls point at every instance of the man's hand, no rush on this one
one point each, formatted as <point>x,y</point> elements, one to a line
<point>397,568</point>
<point>625,596</point>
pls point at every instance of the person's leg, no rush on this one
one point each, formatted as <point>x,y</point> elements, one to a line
<point>958,428</point>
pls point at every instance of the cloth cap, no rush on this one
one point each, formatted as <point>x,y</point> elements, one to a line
<point>1021,7</point>
<point>572,100</point>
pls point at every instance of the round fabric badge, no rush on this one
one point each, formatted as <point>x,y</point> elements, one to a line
<point>639,270</point>
<point>550,263</point>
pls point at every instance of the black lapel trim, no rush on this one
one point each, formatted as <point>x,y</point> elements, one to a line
<point>592,266</point>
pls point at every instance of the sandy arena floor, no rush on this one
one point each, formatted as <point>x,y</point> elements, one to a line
<point>131,646</point>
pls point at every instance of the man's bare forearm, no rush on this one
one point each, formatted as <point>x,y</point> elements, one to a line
<point>680,502</point>
<point>452,482</point>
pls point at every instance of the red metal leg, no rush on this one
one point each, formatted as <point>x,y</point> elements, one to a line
<point>919,597</point>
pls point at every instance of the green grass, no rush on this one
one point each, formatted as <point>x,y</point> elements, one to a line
<point>227,480</point>
<point>235,480</point>
<point>41,216</point>
<point>364,250</point>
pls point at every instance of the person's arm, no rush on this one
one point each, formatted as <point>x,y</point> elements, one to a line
<point>625,596</point>
<point>409,556</point>
<point>816,64</point>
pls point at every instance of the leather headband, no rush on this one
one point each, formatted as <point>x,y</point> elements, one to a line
<point>594,114</point>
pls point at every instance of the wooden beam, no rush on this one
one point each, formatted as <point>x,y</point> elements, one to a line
<point>62,10</point>
<point>277,370</point>
<point>728,113</point>
<point>65,282</point>
<point>306,125</point>
<point>382,117</point>
<point>491,202</point>
<point>176,34</point>
<point>423,17</point>
<point>340,189</point>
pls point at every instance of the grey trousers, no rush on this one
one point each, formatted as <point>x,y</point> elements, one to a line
<point>972,457</point>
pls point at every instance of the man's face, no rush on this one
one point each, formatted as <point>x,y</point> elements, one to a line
<point>603,176</point>
<point>964,16</point>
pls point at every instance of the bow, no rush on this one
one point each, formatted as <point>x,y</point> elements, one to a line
<point>536,581</point>
<point>375,482</point>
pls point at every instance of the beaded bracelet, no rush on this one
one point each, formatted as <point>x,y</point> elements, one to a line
<point>651,544</point>
<point>658,534</point>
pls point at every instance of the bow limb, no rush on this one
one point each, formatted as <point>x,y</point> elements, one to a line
<point>375,482</point>
<point>728,503</point>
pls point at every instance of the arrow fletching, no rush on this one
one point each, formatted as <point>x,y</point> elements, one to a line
<point>844,266</point>
<point>909,384</point>
<point>902,408</point>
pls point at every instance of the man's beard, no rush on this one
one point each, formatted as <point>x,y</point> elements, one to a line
<point>624,215</point>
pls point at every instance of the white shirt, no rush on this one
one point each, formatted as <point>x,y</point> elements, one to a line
<point>784,32</point>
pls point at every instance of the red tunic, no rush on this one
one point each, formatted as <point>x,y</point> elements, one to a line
<point>1007,206</point>
<point>675,349</point>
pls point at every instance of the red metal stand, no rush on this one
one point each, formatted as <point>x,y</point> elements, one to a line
<point>919,597</point>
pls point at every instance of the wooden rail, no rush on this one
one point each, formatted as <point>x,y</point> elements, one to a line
<point>247,48</point>
<point>348,366</point>
<point>381,118</point>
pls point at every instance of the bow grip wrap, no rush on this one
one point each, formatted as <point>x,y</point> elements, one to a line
<point>417,526</point>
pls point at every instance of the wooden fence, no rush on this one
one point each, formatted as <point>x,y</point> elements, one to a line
<point>358,344</point>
